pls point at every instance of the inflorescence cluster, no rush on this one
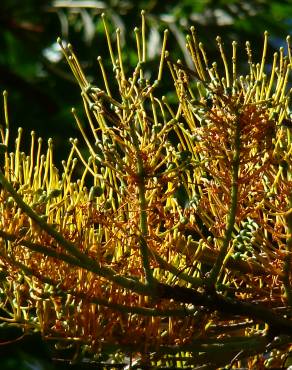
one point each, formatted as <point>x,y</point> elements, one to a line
<point>177,234</point>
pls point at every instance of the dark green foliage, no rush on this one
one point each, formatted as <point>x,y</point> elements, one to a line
<point>43,91</point>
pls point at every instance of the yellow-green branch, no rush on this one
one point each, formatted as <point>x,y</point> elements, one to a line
<point>71,248</point>
<point>215,272</point>
<point>143,207</point>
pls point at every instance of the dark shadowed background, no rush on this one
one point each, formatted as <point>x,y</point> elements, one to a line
<point>40,86</point>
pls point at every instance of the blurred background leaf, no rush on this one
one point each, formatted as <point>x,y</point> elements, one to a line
<point>39,82</point>
<point>42,89</point>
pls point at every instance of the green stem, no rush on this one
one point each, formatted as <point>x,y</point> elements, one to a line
<point>216,302</point>
<point>145,311</point>
<point>199,349</point>
<point>183,295</point>
<point>46,251</point>
<point>195,281</point>
<point>213,346</point>
<point>143,208</point>
<point>288,259</point>
<point>215,272</point>
<point>71,248</point>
